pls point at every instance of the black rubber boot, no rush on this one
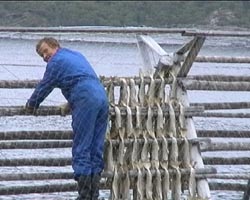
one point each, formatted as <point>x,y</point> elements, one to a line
<point>84,188</point>
<point>95,186</point>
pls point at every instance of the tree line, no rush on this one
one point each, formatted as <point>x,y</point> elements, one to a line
<point>125,13</point>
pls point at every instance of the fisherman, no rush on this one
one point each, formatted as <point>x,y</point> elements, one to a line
<point>86,98</point>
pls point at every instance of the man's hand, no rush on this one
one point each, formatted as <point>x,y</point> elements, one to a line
<point>65,109</point>
<point>30,110</point>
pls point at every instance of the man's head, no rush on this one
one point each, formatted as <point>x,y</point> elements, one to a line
<point>47,47</point>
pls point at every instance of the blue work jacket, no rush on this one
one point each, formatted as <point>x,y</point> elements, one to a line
<point>72,73</point>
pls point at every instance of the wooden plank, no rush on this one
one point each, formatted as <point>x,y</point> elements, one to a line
<point>35,135</point>
<point>220,160</point>
<point>224,133</point>
<point>227,186</point>
<point>224,176</point>
<point>215,77</point>
<point>216,33</point>
<point>186,66</point>
<point>38,144</point>
<point>222,146</point>
<point>147,66</point>
<point>72,186</point>
<point>69,175</point>
<point>87,29</point>
<point>195,153</point>
<point>224,115</point>
<point>223,105</point>
<point>64,135</point>
<point>56,110</point>
<point>186,47</point>
<point>216,85</point>
<point>247,191</point>
<point>222,59</point>
<point>153,45</point>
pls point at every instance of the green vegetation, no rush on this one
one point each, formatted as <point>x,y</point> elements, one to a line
<point>125,13</point>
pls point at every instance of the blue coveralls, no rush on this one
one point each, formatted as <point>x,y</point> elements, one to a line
<point>72,73</point>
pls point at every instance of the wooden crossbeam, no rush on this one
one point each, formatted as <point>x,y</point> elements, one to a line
<point>37,144</point>
<point>193,52</point>
<point>56,110</point>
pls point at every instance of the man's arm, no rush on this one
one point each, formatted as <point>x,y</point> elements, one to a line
<point>44,87</point>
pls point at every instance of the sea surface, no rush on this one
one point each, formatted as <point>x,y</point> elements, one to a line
<point>112,55</point>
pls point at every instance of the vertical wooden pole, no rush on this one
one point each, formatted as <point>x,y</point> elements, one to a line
<point>247,192</point>
<point>181,93</point>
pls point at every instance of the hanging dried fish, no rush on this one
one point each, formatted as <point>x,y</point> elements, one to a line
<point>155,154</point>
<point>149,123</point>
<point>138,126</point>
<point>192,184</point>
<point>125,186</point>
<point>151,92</point>
<point>174,85</point>
<point>124,93</point>
<point>121,131</point>
<point>135,154</point>
<point>129,124</point>
<point>121,152</point>
<point>182,120</point>
<point>164,150</point>
<point>141,93</point>
<point>149,186</point>
<point>108,156</point>
<point>157,188</point>
<point>186,154</point>
<point>140,184</point>
<point>165,182</point>
<point>160,91</point>
<point>118,119</point>
<point>174,153</point>
<point>159,121</point>
<point>133,97</point>
<point>115,185</point>
<point>144,152</point>
<point>176,191</point>
<point>172,122</point>
<point>111,93</point>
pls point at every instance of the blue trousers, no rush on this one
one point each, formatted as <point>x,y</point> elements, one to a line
<point>89,123</point>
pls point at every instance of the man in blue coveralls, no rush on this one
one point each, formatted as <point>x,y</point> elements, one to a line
<point>72,73</point>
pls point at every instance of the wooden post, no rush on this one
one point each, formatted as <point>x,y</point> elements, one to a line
<point>202,184</point>
<point>247,192</point>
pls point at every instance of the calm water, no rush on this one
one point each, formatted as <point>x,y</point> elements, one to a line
<point>118,56</point>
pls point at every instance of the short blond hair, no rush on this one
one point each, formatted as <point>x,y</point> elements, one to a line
<point>52,42</point>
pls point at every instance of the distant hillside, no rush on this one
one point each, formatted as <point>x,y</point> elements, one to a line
<point>125,13</point>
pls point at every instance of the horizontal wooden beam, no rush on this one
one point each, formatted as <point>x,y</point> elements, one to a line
<point>222,59</point>
<point>67,135</point>
<point>69,175</point>
<point>224,133</point>
<point>226,161</point>
<point>116,81</point>
<point>224,176</point>
<point>91,29</point>
<point>224,115</point>
<point>37,144</point>
<point>222,105</point>
<point>72,186</point>
<point>223,78</point>
<point>56,110</point>
<point>36,135</point>
<point>222,146</point>
<point>67,161</point>
<point>216,85</point>
<point>216,33</point>
<point>227,186</point>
